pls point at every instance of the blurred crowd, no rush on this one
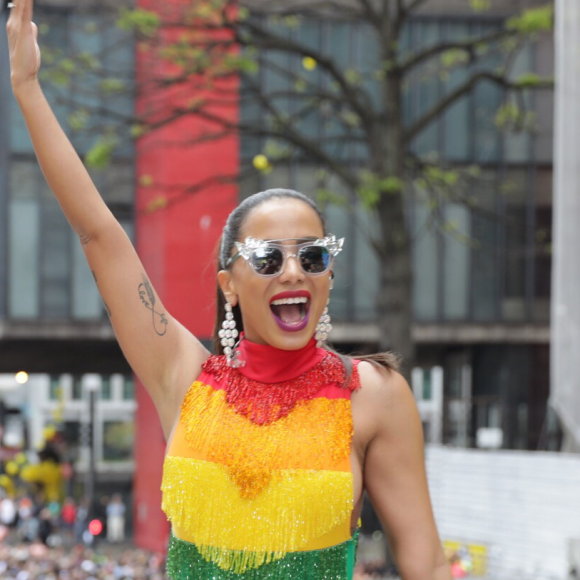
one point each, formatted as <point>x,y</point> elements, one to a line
<point>47,540</point>
<point>39,562</point>
<point>52,523</point>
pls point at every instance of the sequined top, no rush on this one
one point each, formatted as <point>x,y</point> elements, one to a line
<point>257,481</point>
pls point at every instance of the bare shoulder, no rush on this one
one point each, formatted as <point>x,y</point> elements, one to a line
<point>385,400</point>
<point>386,389</point>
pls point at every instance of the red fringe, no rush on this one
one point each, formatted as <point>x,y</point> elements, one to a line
<point>265,403</point>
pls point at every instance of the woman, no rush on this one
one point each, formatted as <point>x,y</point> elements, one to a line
<point>272,445</point>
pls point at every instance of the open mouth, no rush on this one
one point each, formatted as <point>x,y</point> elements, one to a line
<point>291,313</point>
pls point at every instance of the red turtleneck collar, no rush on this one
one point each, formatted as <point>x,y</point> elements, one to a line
<point>268,364</point>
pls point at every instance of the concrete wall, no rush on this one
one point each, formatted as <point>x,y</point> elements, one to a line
<point>524,507</point>
<point>565,393</point>
<point>5,99</point>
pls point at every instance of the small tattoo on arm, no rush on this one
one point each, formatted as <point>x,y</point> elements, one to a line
<point>105,304</point>
<point>148,298</point>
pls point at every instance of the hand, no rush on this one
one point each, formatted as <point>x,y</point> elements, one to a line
<point>23,45</point>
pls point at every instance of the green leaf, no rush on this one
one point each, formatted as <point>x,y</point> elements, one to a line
<point>480,5</point>
<point>507,115</point>
<point>374,186</point>
<point>113,85</point>
<point>326,197</point>
<point>56,76</point>
<point>89,61</point>
<point>352,76</point>
<point>350,118</point>
<point>242,63</point>
<point>138,130</point>
<point>146,180</point>
<point>78,119</point>
<point>533,20</point>
<point>144,22</point>
<point>67,65</point>
<point>379,75</point>
<point>275,151</point>
<point>454,57</point>
<point>101,152</point>
<point>291,21</point>
<point>529,80</point>
<point>300,85</point>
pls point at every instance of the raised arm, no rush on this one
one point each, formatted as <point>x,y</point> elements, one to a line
<point>163,354</point>
<point>394,474</point>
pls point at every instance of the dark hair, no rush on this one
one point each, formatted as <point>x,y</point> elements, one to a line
<point>231,234</point>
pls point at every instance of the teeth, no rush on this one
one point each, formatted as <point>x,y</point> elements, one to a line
<point>300,300</point>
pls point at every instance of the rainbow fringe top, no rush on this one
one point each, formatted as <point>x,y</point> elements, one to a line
<point>257,481</point>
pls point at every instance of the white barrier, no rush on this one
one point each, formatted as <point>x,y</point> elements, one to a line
<point>520,509</point>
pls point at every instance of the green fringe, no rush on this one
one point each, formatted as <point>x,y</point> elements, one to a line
<point>184,562</point>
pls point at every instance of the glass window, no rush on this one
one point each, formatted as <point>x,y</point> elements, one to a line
<point>341,304</point>
<point>544,58</point>
<point>457,119</point>
<point>518,146</point>
<point>77,388</point>
<point>456,262</point>
<point>49,276</point>
<point>426,88</point>
<point>128,388</point>
<point>425,266</point>
<point>365,266</point>
<point>55,262</point>
<point>485,265</point>
<point>513,191</point>
<point>55,390</point>
<point>117,183</point>
<point>23,255</point>
<point>19,139</point>
<point>487,99</point>
<point>86,301</point>
<point>118,438</point>
<point>106,388</point>
<point>543,263</point>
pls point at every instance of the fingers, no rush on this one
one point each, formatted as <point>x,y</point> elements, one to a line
<point>34,31</point>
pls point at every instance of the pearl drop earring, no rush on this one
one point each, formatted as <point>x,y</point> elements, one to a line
<point>323,327</point>
<point>228,334</point>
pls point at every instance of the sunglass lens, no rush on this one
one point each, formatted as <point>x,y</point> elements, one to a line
<point>314,259</point>
<point>267,261</point>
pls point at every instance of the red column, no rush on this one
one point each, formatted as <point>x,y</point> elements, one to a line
<point>176,237</point>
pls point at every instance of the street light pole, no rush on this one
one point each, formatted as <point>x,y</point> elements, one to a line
<point>92,384</point>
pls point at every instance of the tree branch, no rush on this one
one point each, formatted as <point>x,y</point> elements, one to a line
<point>369,10</point>
<point>292,137</point>
<point>467,46</point>
<point>440,107</point>
<point>271,41</point>
<point>187,190</point>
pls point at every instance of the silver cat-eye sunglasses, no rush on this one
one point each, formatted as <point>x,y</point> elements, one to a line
<point>268,257</point>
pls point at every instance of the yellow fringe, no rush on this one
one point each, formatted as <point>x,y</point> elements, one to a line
<point>237,534</point>
<point>317,434</point>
